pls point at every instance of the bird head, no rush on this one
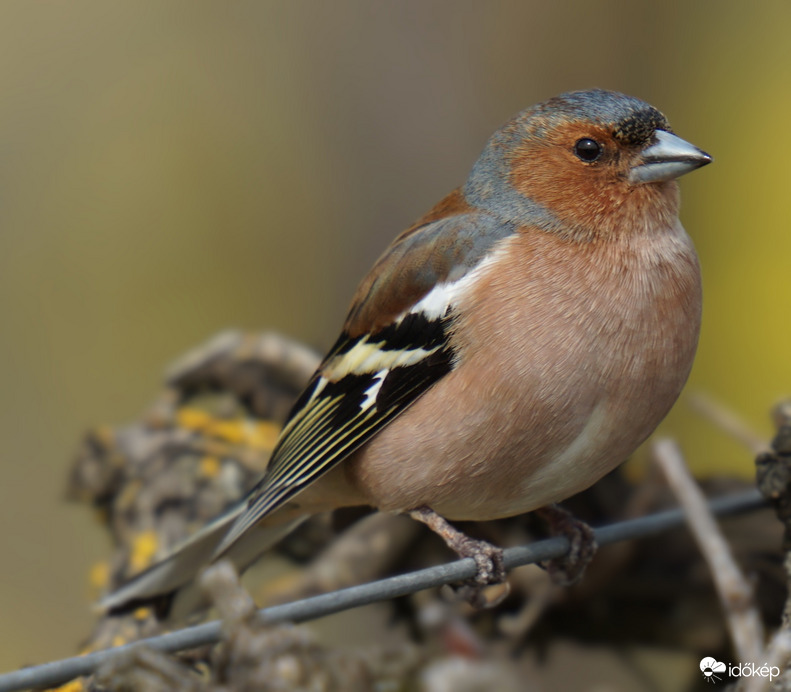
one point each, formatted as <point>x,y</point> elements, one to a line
<point>585,164</point>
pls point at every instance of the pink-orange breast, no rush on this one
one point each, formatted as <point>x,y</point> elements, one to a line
<point>570,355</point>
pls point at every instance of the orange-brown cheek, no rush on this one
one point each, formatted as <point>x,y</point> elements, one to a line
<point>571,190</point>
<point>593,201</point>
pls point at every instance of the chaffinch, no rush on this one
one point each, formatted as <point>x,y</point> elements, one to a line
<point>505,352</point>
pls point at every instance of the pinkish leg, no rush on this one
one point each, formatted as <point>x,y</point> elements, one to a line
<point>488,558</point>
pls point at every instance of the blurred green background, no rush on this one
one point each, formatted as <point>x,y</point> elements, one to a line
<point>171,169</point>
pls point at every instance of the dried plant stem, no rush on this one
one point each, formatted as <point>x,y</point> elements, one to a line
<point>776,658</point>
<point>728,421</point>
<point>735,592</point>
<point>56,672</point>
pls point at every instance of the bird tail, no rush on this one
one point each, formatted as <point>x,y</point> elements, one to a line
<point>170,586</point>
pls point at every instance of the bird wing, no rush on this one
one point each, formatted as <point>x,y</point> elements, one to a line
<point>395,345</point>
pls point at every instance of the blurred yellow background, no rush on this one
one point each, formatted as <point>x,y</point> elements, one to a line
<point>171,169</point>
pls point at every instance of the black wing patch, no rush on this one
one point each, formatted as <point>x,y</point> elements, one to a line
<point>361,386</point>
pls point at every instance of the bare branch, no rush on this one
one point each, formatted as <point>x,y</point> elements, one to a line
<point>728,421</point>
<point>735,592</point>
<point>776,658</point>
<point>56,672</point>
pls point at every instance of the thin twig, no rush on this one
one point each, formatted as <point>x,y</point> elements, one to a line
<point>735,592</point>
<point>728,421</point>
<point>542,593</point>
<point>775,660</point>
<point>56,672</point>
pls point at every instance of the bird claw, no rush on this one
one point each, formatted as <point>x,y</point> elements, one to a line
<point>491,571</point>
<point>489,563</point>
<point>488,560</point>
<point>569,569</point>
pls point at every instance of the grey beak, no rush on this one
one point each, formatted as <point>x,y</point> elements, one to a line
<point>669,157</point>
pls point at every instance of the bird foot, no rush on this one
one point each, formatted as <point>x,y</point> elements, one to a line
<point>488,558</point>
<point>568,570</point>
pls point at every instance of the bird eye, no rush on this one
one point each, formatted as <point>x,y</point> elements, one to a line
<point>588,149</point>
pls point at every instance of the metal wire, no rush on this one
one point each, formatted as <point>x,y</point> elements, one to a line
<point>58,672</point>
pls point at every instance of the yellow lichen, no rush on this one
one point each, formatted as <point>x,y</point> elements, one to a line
<point>142,613</point>
<point>73,686</point>
<point>264,435</point>
<point>144,547</point>
<point>230,431</point>
<point>209,467</point>
<point>99,575</point>
<point>192,419</point>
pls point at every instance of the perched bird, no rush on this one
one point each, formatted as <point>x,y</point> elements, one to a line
<point>505,352</point>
